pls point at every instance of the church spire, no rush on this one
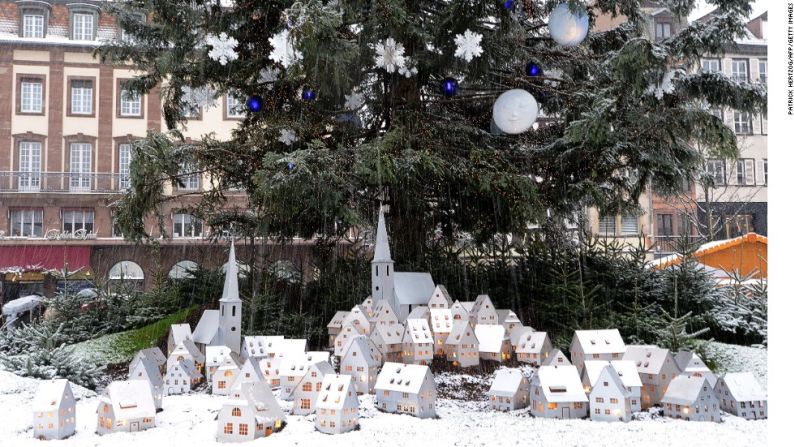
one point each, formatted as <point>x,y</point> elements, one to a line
<point>382,251</point>
<point>231,291</point>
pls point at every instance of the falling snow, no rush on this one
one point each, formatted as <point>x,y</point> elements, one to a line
<point>468,45</point>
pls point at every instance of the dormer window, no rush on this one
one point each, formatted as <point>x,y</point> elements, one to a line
<point>33,23</point>
<point>82,22</point>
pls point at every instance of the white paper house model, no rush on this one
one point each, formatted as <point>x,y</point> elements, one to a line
<point>260,346</point>
<point>222,326</point>
<point>462,346</point>
<point>556,392</point>
<point>483,312</point>
<point>215,357</point>
<point>417,342</point>
<point>181,377</point>
<point>224,377</point>
<point>306,392</point>
<point>177,334</point>
<point>517,335</point>
<point>509,390</point>
<point>408,389</point>
<point>369,307</point>
<point>359,318</point>
<point>533,348</point>
<point>187,350</point>
<point>441,325</point>
<point>419,313</point>
<point>361,363</point>
<point>147,370</point>
<point>440,298</point>
<point>249,373</point>
<point>271,371</point>
<point>610,399</point>
<point>460,311</point>
<point>556,358</point>
<point>249,414</point>
<point>335,325</point>
<point>691,398</point>
<point>656,368</point>
<point>509,320</point>
<point>53,410</point>
<point>389,341</point>
<point>690,363</point>
<point>384,315</point>
<point>603,344</point>
<point>125,407</point>
<point>740,394</point>
<point>154,355</point>
<point>337,405</point>
<point>293,368</point>
<point>288,347</point>
<point>494,342</point>
<point>343,338</point>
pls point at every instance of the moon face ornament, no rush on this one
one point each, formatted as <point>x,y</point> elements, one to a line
<point>514,111</point>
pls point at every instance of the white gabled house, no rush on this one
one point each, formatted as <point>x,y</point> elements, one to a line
<point>249,373</point>
<point>389,341</point>
<point>343,338</point>
<point>417,342</point>
<point>53,410</point>
<point>483,311</point>
<point>517,335</point>
<point>361,363</point>
<point>656,367</point>
<point>610,400</point>
<point>306,391</point>
<point>335,325</point>
<point>337,405</point>
<point>251,412</point>
<point>404,388</point>
<point>294,367</point>
<point>224,377</point>
<point>440,298</point>
<point>147,370</point>
<point>533,348</point>
<point>691,398</point>
<point>741,395</point>
<point>215,357</point>
<point>181,377</point>
<point>177,334</point>
<point>460,310</point>
<point>369,307</point>
<point>441,325</point>
<point>419,313</point>
<point>601,344</point>
<point>271,371</point>
<point>358,317</point>
<point>384,315</point>
<point>154,355</point>
<point>260,346</point>
<point>509,320</point>
<point>186,350</point>
<point>509,390</point>
<point>126,406</point>
<point>556,358</point>
<point>556,392</point>
<point>690,363</point>
<point>462,346</point>
<point>494,344</point>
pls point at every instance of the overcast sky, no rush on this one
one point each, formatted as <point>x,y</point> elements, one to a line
<point>758,8</point>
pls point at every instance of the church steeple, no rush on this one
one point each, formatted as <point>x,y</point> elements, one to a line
<point>383,266</point>
<point>231,307</point>
<point>382,250</point>
<point>231,290</point>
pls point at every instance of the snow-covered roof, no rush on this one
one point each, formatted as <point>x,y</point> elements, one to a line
<point>181,332</point>
<point>531,342</point>
<point>592,369</point>
<point>217,355</point>
<point>131,399</point>
<point>187,346</point>
<point>519,334</point>
<point>555,354</point>
<point>260,345</point>
<point>419,312</point>
<point>689,361</point>
<point>458,334</point>
<point>335,391</point>
<point>441,320</point>
<point>507,316</point>
<point>188,367</point>
<point>338,318</point>
<point>627,371</point>
<point>417,331</point>
<point>207,327</point>
<point>413,287</point>
<point>647,358</point>
<point>391,334</point>
<point>609,374</point>
<point>560,383</point>
<point>440,294</point>
<point>322,369</point>
<point>490,337</point>
<point>684,390</point>
<point>154,355</point>
<point>600,341</point>
<point>288,346</point>
<point>357,316</point>
<point>363,345</point>
<point>260,397</point>
<point>299,363</point>
<point>743,386</point>
<point>506,382</point>
<point>24,304</point>
<point>146,369</point>
<point>403,378</point>
<point>50,393</point>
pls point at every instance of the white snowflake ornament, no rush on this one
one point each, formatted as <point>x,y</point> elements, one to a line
<point>468,45</point>
<point>666,87</point>
<point>284,52</point>
<point>354,100</point>
<point>287,136</point>
<point>390,55</point>
<point>223,48</point>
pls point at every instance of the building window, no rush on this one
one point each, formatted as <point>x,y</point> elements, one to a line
<point>718,112</point>
<point>33,23</point>
<point>716,169</point>
<point>663,30</point>
<point>83,25</point>
<point>188,177</point>
<point>738,225</point>
<point>664,224</point>
<point>739,70</point>
<point>81,93</point>
<point>80,166</point>
<point>235,108</point>
<point>31,95</point>
<point>742,125</point>
<point>29,166</point>
<point>129,102</point>
<point>606,225</point>
<point>27,222</point>
<point>74,220</point>
<point>125,155</point>
<point>684,229</point>
<point>762,70</point>
<point>236,412</point>
<point>186,225</point>
<point>629,225</point>
<point>710,66</point>
<point>745,171</point>
<point>228,428</point>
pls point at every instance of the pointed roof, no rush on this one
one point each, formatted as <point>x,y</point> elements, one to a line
<point>552,359</point>
<point>382,250</point>
<point>337,392</point>
<point>50,393</point>
<point>148,370</point>
<point>461,330</point>
<point>743,386</point>
<point>231,290</point>
<point>609,374</point>
<point>684,390</point>
<point>506,382</point>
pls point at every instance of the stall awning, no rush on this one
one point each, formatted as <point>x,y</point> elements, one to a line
<point>44,257</point>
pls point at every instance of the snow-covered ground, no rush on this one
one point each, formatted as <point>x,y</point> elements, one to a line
<point>735,358</point>
<point>189,421</point>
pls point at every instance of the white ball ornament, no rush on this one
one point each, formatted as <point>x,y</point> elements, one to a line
<point>568,28</point>
<point>514,111</point>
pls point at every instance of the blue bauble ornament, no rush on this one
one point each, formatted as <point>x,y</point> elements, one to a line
<point>290,166</point>
<point>308,94</point>
<point>449,87</point>
<point>509,4</point>
<point>534,69</point>
<point>255,103</point>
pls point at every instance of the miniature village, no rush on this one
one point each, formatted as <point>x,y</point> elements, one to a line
<point>384,347</point>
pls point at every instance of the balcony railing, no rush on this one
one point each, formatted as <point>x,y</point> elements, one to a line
<point>665,245</point>
<point>62,182</point>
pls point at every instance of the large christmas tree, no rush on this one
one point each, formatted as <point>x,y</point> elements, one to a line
<point>364,101</point>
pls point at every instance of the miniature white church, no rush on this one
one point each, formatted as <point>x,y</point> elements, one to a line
<point>402,290</point>
<point>222,327</point>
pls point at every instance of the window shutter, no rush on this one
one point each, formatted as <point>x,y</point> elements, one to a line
<point>749,171</point>
<point>629,225</point>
